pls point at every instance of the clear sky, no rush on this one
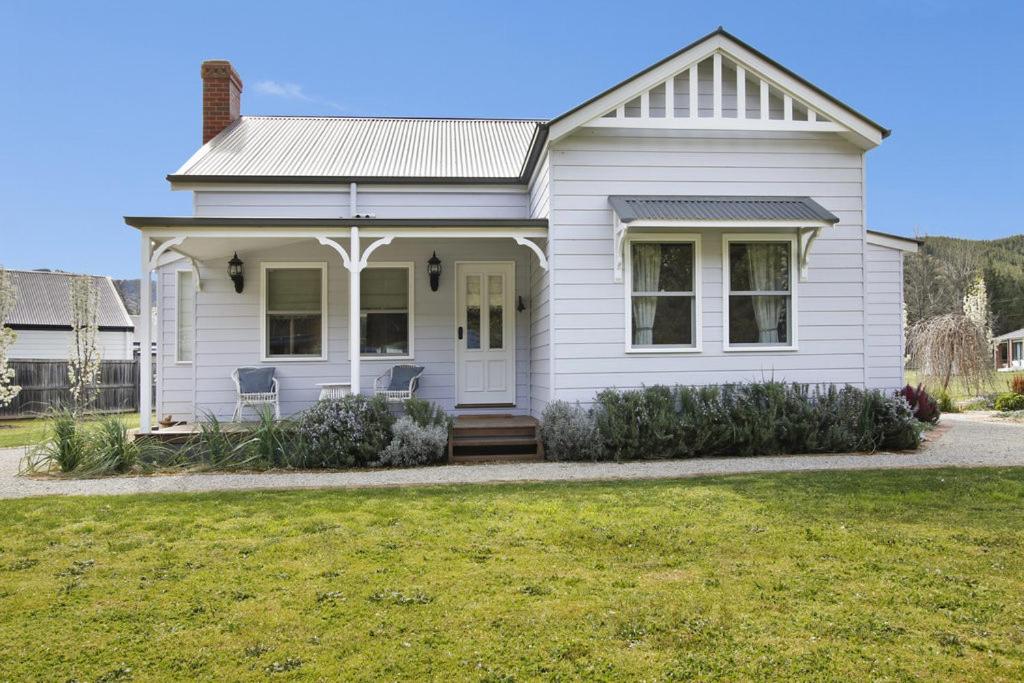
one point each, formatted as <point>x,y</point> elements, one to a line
<point>101,100</point>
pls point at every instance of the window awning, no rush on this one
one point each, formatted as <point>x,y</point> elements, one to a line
<point>720,208</point>
<point>655,212</point>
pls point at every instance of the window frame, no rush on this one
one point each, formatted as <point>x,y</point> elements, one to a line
<point>698,308</point>
<point>411,267</point>
<point>791,239</point>
<point>267,266</point>
<point>177,316</point>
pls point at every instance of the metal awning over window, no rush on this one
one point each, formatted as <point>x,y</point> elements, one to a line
<point>655,212</point>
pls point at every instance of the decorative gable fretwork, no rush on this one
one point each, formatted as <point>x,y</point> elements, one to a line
<point>717,93</point>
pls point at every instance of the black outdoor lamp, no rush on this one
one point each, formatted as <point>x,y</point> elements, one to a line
<point>434,271</point>
<point>236,270</point>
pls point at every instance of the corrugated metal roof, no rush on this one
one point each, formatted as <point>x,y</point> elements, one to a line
<point>44,298</point>
<point>719,208</point>
<point>343,147</point>
<point>1016,334</point>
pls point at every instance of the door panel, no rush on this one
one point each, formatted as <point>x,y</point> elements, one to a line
<point>485,344</point>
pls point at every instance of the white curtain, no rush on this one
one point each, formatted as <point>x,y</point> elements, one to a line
<point>767,309</point>
<point>646,273</point>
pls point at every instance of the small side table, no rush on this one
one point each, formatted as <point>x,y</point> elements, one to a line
<point>334,390</point>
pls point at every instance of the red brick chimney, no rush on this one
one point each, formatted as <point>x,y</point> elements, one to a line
<point>222,97</point>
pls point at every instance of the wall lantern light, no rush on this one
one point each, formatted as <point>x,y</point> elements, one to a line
<point>236,270</point>
<point>434,271</point>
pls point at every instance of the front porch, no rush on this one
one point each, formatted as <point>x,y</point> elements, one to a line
<point>324,301</point>
<point>478,438</point>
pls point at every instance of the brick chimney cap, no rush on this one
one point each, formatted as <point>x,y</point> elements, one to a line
<point>220,68</point>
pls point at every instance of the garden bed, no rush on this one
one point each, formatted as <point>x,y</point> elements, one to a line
<point>653,423</point>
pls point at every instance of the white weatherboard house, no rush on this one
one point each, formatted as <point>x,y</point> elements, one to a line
<point>701,222</point>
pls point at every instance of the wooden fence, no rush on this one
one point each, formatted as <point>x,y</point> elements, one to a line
<point>44,385</point>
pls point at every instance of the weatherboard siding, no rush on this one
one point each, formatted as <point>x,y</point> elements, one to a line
<point>540,305</point>
<point>414,202</point>
<point>589,310</point>
<point>228,328</point>
<point>885,317</point>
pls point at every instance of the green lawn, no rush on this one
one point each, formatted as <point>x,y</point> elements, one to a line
<point>880,575</point>
<point>998,383</point>
<point>33,430</point>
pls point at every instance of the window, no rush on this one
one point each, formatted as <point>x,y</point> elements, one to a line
<point>759,283</point>
<point>663,294</point>
<point>294,315</point>
<point>185,332</point>
<point>385,297</point>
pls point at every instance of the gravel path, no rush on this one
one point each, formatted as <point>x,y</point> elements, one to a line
<point>966,441</point>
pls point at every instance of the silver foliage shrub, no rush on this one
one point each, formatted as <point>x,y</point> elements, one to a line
<point>414,444</point>
<point>569,433</point>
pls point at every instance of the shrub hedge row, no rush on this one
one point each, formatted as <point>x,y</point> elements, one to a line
<point>768,418</point>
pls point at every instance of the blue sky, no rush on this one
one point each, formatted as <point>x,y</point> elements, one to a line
<point>102,100</point>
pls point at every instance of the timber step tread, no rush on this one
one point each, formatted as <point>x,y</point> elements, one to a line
<point>495,438</point>
<point>488,457</point>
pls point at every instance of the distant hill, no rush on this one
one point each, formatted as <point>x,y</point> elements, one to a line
<point>129,291</point>
<point>954,262</point>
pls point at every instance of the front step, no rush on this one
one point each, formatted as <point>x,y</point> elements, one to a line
<point>495,438</point>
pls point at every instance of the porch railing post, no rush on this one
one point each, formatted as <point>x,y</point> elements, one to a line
<point>145,355</point>
<point>353,308</point>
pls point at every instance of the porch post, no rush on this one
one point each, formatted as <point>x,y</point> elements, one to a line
<point>145,355</point>
<point>353,308</point>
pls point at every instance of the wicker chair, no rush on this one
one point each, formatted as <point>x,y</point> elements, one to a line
<point>399,383</point>
<point>261,391</point>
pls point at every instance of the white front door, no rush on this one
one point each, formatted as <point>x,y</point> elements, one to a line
<point>485,339</point>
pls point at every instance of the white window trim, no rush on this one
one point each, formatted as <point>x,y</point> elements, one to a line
<point>177,316</point>
<point>281,265</point>
<point>698,308</point>
<point>411,267</point>
<point>793,320</point>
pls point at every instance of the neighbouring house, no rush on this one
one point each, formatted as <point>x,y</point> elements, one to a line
<point>1009,352</point>
<point>703,221</point>
<point>42,317</point>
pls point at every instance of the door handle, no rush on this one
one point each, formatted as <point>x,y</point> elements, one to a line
<point>460,332</point>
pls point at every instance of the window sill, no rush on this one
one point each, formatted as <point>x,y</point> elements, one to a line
<point>758,349</point>
<point>293,359</point>
<point>668,350</point>
<point>183,362</point>
<point>361,357</point>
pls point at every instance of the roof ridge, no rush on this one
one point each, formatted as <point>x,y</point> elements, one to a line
<point>356,117</point>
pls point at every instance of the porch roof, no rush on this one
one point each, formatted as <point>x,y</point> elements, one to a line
<point>1016,334</point>
<point>143,222</point>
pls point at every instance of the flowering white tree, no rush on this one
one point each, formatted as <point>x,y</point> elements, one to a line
<point>84,354</point>
<point>8,296</point>
<point>976,306</point>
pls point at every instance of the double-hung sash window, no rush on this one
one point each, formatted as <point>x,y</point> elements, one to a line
<point>295,304</point>
<point>385,302</point>
<point>760,286</point>
<point>185,299</point>
<point>663,285</point>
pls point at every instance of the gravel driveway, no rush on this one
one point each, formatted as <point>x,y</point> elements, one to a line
<point>965,441</point>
